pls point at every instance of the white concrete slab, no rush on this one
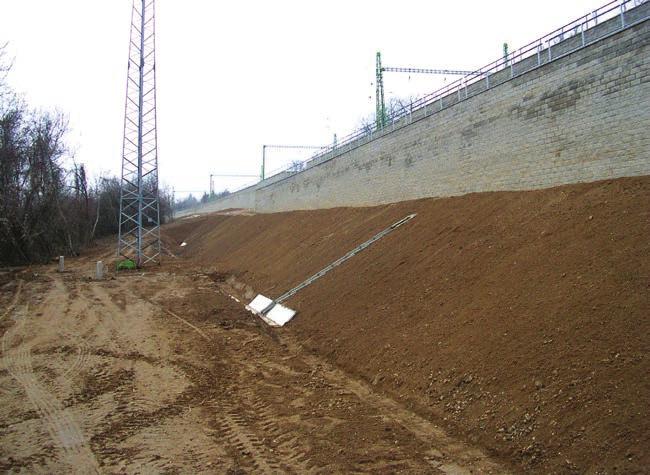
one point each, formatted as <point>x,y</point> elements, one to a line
<point>259,303</point>
<point>276,317</point>
<point>280,314</point>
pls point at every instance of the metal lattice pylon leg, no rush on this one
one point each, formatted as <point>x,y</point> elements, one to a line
<point>139,236</point>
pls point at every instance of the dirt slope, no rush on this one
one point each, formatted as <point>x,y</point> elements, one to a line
<point>518,320</point>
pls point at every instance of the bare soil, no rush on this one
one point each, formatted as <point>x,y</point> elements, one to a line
<point>495,332</point>
<point>162,371</point>
<point>517,321</point>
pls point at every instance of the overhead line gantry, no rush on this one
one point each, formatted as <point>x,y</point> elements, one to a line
<point>380,106</point>
<point>212,175</point>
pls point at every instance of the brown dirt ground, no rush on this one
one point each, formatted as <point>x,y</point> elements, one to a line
<point>518,321</point>
<point>160,371</point>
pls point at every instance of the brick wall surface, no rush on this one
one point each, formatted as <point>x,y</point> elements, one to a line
<point>583,117</point>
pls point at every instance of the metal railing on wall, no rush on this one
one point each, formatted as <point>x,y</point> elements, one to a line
<point>580,33</point>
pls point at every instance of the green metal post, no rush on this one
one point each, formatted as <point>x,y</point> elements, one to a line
<point>380,112</point>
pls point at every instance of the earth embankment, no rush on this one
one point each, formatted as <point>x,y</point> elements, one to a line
<point>518,320</point>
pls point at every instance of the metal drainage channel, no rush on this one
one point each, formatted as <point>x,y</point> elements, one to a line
<point>275,314</point>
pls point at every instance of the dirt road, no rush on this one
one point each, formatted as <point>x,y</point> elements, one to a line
<point>165,372</point>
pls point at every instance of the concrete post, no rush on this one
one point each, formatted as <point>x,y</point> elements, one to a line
<point>61,264</point>
<point>99,271</point>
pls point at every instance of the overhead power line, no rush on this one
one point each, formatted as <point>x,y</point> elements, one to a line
<point>272,146</point>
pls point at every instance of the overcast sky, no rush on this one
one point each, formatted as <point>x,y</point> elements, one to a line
<point>235,75</point>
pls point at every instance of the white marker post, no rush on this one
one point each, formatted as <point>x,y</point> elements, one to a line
<point>99,271</point>
<point>61,264</point>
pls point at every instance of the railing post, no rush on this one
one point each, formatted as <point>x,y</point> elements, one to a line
<point>539,54</point>
<point>548,43</point>
<point>622,15</point>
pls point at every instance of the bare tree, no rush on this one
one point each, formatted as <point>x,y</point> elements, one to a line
<point>32,183</point>
<point>46,209</point>
<point>5,67</point>
<point>396,107</point>
<point>296,166</point>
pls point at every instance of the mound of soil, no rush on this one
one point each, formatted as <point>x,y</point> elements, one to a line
<point>517,320</point>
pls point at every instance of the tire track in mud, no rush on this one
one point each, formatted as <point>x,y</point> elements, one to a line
<point>99,297</point>
<point>14,300</point>
<point>136,417</point>
<point>249,427</point>
<point>288,444</point>
<point>287,441</point>
<point>234,429</point>
<point>247,432</point>
<point>58,421</point>
<point>83,353</point>
<point>251,420</point>
<point>83,347</point>
<point>444,454</point>
<point>258,415</point>
<point>289,435</point>
<point>255,366</point>
<point>444,449</point>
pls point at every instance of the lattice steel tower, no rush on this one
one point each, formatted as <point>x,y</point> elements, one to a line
<point>139,236</point>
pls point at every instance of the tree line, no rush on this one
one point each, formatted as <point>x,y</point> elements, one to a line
<point>47,208</point>
<point>191,201</point>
